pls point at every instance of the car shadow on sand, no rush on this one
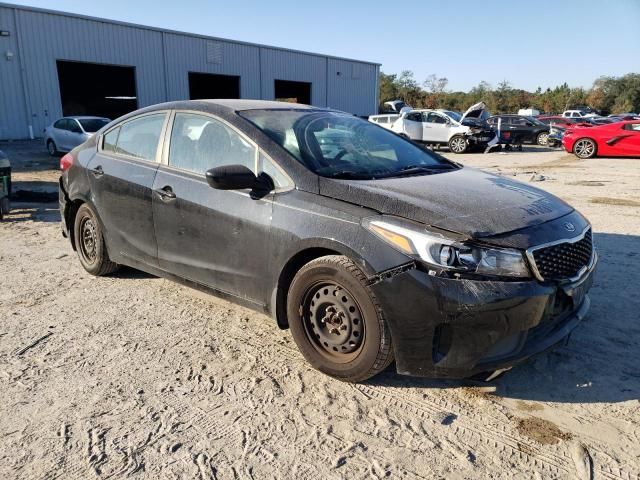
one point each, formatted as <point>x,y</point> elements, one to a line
<point>37,212</point>
<point>600,362</point>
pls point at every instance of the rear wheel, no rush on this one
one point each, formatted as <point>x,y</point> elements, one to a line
<point>585,148</point>
<point>336,321</point>
<point>89,243</point>
<point>542,139</point>
<point>52,148</point>
<point>458,144</point>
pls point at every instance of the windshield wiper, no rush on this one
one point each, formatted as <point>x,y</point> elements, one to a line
<point>348,175</point>
<point>416,169</point>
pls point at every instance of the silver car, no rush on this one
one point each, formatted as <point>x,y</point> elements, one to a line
<point>65,134</point>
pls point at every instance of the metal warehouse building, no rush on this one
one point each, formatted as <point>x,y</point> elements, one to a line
<point>55,63</point>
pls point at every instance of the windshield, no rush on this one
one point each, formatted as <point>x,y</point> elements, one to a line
<point>337,145</point>
<point>535,121</point>
<point>92,125</point>
<point>454,115</point>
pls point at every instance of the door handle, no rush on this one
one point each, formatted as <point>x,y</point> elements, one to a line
<point>166,193</point>
<point>98,172</point>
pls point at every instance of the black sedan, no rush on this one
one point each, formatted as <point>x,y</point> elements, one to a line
<point>368,247</point>
<point>518,129</point>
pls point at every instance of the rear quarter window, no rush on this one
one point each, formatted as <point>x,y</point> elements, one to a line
<point>110,140</point>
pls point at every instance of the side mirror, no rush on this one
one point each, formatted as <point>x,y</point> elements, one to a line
<point>231,177</point>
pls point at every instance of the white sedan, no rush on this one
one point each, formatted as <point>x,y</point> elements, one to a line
<point>65,134</point>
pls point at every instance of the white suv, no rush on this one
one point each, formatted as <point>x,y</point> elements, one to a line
<point>443,127</point>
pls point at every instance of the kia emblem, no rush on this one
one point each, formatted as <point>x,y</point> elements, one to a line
<point>570,227</point>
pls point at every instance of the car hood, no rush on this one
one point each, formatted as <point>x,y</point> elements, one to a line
<point>466,201</point>
<point>474,111</point>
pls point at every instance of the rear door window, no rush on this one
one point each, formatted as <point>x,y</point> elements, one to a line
<point>139,137</point>
<point>434,118</point>
<point>60,124</point>
<point>199,143</point>
<point>415,117</point>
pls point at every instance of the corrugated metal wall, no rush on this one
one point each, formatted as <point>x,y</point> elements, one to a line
<point>162,60</point>
<point>285,65</point>
<point>13,117</point>
<point>189,54</point>
<point>345,79</point>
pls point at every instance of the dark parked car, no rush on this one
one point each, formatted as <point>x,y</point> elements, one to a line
<point>367,246</point>
<point>564,122</point>
<point>519,129</point>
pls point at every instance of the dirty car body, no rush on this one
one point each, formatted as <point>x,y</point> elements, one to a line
<point>472,272</point>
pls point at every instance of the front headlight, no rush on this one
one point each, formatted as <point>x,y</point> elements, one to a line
<point>445,253</point>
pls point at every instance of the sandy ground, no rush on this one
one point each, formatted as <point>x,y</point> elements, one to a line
<point>136,376</point>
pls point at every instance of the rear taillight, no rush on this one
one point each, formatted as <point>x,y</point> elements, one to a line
<point>66,162</point>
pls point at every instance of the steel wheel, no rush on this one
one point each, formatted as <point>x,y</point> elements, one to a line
<point>88,240</point>
<point>333,321</point>
<point>458,145</point>
<point>543,139</point>
<point>584,148</point>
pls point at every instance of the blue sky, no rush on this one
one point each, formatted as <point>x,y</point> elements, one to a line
<point>530,44</point>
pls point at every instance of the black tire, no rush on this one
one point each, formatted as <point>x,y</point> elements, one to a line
<point>585,148</point>
<point>542,139</point>
<point>5,206</point>
<point>89,243</point>
<point>458,144</point>
<point>52,148</point>
<point>329,301</point>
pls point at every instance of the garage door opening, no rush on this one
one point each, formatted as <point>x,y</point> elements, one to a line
<point>294,92</point>
<point>96,89</point>
<point>209,85</point>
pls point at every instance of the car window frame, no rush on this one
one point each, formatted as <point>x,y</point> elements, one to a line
<point>159,149</point>
<point>77,124</point>
<point>414,113</point>
<point>435,114</point>
<point>167,147</point>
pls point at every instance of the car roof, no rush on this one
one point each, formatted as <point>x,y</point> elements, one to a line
<point>85,117</point>
<point>248,104</point>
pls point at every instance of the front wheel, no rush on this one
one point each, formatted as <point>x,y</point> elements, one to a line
<point>458,144</point>
<point>336,321</point>
<point>89,243</point>
<point>585,148</point>
<point>542,139</point>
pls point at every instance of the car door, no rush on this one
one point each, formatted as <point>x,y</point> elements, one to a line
<point>435,128</point>
<point>412,123</point>
<point>121,176</point>
<point>218,238</point>
<point>75,134</point>
<point>502,125</point>
<point>60,133</point>
<point>524,128</point>
<point>629,142</point>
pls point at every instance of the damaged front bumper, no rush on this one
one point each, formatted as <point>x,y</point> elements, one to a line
<point>456,328</point>
<point>482,140</point>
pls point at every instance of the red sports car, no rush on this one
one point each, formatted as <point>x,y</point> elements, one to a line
<point>621,139</point>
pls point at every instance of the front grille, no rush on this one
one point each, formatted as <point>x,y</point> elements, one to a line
<point>564,260</point>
